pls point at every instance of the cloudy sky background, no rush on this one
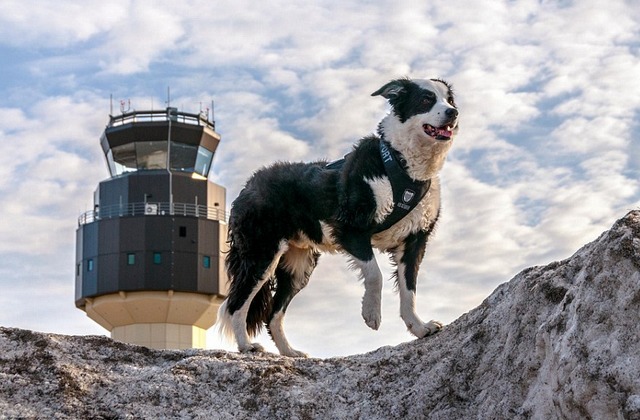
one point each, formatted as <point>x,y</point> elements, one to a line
<point>547,157</point>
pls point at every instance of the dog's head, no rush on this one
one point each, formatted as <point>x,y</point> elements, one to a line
<point>423,121</point>
<point>425,103</point>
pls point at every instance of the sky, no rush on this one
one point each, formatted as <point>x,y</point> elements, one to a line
<point>547,157</point>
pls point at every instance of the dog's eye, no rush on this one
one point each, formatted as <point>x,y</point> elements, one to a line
<point>429,99</point>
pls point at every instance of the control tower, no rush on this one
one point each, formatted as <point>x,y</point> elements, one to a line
<point>149,255</point>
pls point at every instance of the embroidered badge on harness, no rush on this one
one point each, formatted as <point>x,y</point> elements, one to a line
<point>406,198</point>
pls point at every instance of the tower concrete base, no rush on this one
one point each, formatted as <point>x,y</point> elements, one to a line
<point>159,320</point>
<point>162,336</point>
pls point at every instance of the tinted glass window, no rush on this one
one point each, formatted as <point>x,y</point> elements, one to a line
<point>183,157</point>
<point>124,158</point>
<point>152,154</point>
<point>203,161</point>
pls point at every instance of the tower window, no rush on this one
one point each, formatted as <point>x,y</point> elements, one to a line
<point>157,258</point>
<point>206,261</point>
<point>182,231</point>
<point>90,264</point>
<point>131,259</point>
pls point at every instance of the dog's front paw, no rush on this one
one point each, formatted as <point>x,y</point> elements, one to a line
<point>251,348</point>
<point>432,327</point>
<point>372,320</point>
<point>425,330</point>
<point>371,313</point>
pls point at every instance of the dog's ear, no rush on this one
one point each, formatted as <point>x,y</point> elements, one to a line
<point>390,90</point>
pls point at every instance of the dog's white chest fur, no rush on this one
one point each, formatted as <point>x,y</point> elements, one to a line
<point>418,219</point>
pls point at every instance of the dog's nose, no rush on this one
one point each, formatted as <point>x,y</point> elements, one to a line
<point>451,113</point>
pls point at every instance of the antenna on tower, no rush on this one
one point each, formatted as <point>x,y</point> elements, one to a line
<point>124,109</point>
<point>168,96</point>
<point>111,104</point>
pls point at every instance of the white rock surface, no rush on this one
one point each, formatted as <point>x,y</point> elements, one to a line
<point>560,341</point>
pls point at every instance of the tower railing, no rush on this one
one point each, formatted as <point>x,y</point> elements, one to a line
<point>200,119</point>
<point>152,209</point>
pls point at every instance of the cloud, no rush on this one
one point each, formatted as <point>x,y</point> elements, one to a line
<point>47,154</point>
<point>147,34</point>
<point>60,26</point>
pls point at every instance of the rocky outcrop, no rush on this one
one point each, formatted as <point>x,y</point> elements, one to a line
<point>559,341</point>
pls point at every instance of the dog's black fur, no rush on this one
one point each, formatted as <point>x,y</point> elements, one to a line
<point>289,213</point>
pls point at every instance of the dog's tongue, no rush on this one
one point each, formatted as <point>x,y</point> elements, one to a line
<point>438,133</point>
<point>443,132</point>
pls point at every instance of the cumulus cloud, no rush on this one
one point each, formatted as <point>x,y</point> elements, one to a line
<point>48,155</point>
<point>64,25</point>
<point>151,31</point>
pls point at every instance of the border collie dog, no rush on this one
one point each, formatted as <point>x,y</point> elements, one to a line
<point>385,194</point>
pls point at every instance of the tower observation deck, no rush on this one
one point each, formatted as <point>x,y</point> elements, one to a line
<point>149,255</point>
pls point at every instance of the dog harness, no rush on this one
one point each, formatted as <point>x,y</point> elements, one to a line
<point>407,192</point>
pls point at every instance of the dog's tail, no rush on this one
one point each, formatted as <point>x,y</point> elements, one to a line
<point>244,275</point>
<point>223,323</point>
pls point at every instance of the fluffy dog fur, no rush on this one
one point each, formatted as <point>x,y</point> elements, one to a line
<point>289,213</point>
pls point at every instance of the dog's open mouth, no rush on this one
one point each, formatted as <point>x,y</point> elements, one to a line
<point>438,133</point>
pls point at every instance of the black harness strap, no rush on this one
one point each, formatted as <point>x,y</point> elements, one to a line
<point>407,192</point>
<point>337,164</point>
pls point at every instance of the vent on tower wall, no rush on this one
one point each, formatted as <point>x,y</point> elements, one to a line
<point>150,209</point>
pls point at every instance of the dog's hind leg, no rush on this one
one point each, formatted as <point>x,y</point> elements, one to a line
<point>292,274</point>
<point>408,258</point>
<point>239,316</point>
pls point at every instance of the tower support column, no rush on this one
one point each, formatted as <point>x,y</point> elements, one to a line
<point>156,319</point>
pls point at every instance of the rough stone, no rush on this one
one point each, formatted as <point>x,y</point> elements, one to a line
<point>555,342</point>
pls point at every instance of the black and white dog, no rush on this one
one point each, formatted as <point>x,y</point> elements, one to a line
<point>385,194</point>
